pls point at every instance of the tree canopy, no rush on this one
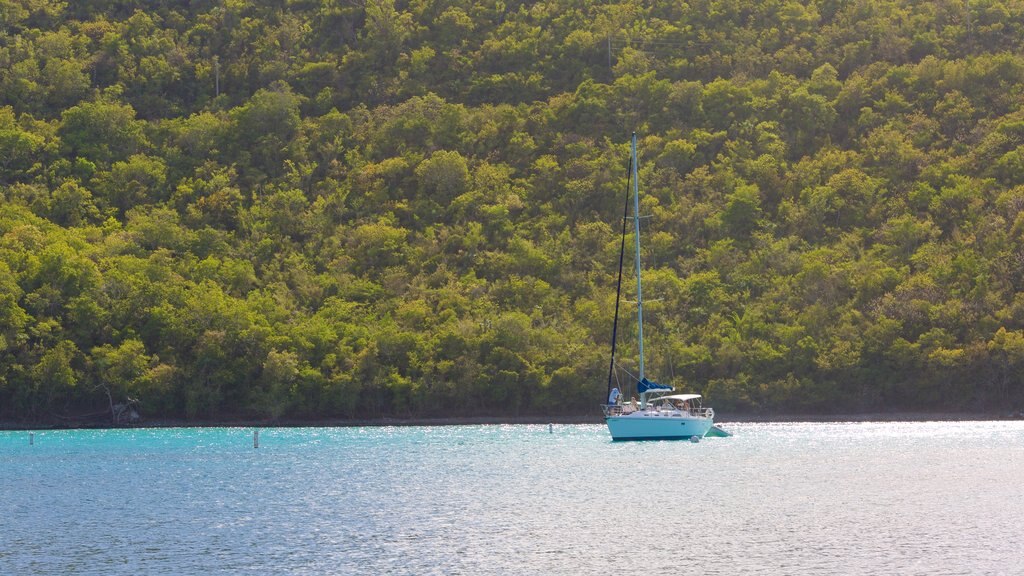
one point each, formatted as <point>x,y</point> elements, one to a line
<point>337,209</point>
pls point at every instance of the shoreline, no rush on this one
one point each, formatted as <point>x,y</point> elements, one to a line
<point>520,420</point>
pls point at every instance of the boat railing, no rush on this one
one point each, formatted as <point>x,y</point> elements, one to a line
<point>619,409</point>
<point>692,411</point>
<point>628,408</point>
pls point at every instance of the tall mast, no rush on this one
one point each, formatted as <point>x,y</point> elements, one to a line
<point>639,285</point>
<point>618,283</point>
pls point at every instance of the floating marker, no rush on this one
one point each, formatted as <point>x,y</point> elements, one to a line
<point>255,438</point>
<point>551,428</point>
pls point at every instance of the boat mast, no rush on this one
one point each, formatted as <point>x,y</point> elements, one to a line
<point>618,283</point>
<point>639,285</point>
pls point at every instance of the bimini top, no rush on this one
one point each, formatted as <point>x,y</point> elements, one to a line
<point>682,397</point>
<point>646,385</point>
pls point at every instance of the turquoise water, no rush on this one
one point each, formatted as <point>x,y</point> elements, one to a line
<point>907,498</point>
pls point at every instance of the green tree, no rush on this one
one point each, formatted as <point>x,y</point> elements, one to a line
<point>55,379</point>
<point>101,131</point>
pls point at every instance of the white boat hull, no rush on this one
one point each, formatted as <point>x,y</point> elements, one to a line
<point>654,425</point>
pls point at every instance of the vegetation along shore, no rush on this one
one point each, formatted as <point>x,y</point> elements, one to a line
<point>314,211</point>
<point>594,418</point>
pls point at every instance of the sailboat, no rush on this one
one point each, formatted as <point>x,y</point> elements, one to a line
<point>660,413</point>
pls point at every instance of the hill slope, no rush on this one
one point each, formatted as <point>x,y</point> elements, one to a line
<point>338,209</point>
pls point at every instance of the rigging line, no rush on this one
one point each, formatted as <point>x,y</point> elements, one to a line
<point>628,373</point>
<point>618,286</point>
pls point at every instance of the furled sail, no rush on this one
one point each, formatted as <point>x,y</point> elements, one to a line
<point>645,385</point>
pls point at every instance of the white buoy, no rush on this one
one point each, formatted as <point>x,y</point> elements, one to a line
<point>551,428</point>
<point>694,439</point>
<point>255,438</point>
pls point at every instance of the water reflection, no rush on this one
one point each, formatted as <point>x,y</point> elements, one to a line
<point>832,498</point>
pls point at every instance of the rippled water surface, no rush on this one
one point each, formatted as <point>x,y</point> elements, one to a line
<point>907,498</point>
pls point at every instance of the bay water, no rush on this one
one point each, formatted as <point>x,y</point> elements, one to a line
<point>928,498</point>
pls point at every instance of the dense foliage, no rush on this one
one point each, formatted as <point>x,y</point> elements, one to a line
<point>335,208</point>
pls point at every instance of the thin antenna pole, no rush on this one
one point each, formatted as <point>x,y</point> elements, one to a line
<point>639,284</point>
<point>968,3</point>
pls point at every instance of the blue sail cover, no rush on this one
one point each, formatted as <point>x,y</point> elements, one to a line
<point>646,385</point>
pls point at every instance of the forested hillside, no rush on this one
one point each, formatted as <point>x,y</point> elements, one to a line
<point>348,208</point>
